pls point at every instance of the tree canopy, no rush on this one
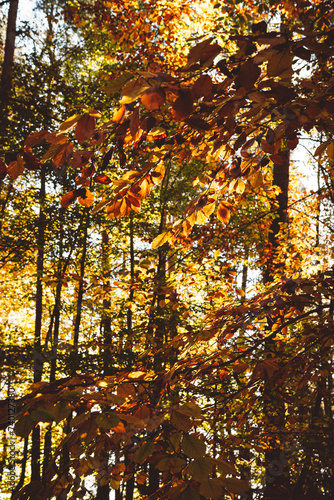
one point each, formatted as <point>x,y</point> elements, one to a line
<point>167,265</point>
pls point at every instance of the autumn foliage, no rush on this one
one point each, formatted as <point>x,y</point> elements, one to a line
<point>200,379</point>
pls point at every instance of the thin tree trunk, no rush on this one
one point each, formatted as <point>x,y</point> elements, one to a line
<point>277,473</point>
<point>38,359</point>
<point>8,62</point>
<point>81,282</point>
<point>103,491</point>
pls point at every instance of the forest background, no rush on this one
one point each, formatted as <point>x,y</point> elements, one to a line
<point>166,277</point>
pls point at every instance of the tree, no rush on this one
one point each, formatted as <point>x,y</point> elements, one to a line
<point>202,373</point>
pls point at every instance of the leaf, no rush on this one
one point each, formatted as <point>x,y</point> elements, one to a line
<point>202,86</point>
<point>42,416</point>
<point>69,123</point>
<point>330,151</point>
<point>102,179</point>
<point>256,180</point>
<point>31,162</point>
<point>183,105</point>
<point>211,488</point>
<point>61,411</point>
<point>3,170</point>
<point>143,412</point>
<point>133,90</point>
<point>134,122</point>
<point>193,446</point>
<point>153,98</point>
<point>86,199</point>
<point>116,84</point>
<point>85,128</point>
<point>119,114</point>
<point>68,198</point>
<point>107,420</point>
<point>234,485</point>
<point>16,168</point>
<point>173,463</point>
<point>280,64</point>
<point>200,468</point>
<point>247,76</point>
<point>126,390</point>
<point>142,453</point>
<point>181,421</point>
<point>158,173</point>
<point>35,138</point>
<point>24,426</point>
<point>161,239</point>
<point>223,213</point>
<point>189,494</point>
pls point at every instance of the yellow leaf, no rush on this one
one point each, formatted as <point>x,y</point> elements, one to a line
<point>201,218</point>
<point>69,123</point>
<point>256,179</point>
<point>161,239</point>
<point>240,187</point>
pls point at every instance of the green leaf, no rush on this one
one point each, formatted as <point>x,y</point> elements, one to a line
<point>107,420</point>
<point>42,416</point>
<point>235,485</point>
<point>193,446</point>
<point>143,452</point>
<point>118,83</point>
<point>200,469</point>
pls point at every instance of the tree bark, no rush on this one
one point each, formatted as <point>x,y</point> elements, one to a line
<point>277,474</point>
<point>8,62</point>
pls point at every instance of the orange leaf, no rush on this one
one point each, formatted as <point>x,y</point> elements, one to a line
<point>119,115</point>
<point>153,98</point>
<point>223,213</point>
<point>87,199</point>
<point>16,168</point>
<point>68,198</point>
<point>102,179</point>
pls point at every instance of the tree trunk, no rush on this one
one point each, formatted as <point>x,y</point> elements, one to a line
<point>8,62</point>
<point>277,473</point>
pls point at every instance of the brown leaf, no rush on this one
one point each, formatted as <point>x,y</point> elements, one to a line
<point>183,105</point>
<point>247,76</point>
<point>68,198</point>
<point>134,122</point>
<point>202,86</point>
<point>153,98</point>
<point>280,64</point>
<point>85,128</point>
<point>32,163</point>
<point>3,170</point>
<point>35,138</point>
<point>223,213</point>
